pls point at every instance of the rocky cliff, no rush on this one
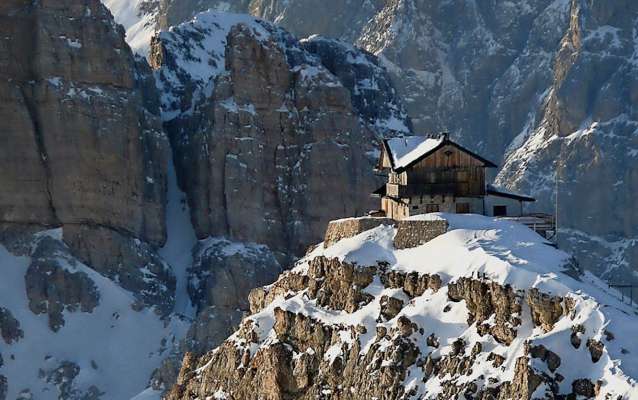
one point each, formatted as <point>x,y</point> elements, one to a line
<point>486,311</point>
<point>273,137</point>
<point>82,211</point>
<point>81,143</point>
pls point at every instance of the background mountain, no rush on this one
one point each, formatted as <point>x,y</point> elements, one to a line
<point>536,85</point>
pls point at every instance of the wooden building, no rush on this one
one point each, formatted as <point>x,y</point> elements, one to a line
<point>432,173</point>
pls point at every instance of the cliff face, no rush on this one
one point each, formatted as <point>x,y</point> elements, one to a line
<point>80,143</point>
<point>452,318</point>
<point>82,210</point>
<point>273,138</point>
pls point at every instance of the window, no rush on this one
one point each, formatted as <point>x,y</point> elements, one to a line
<point>415,207</point>
<point>430,208</point>
<point>462,208</point>
<point>500,211</point>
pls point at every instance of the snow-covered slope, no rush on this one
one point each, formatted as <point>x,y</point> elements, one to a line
<point>488,308</point>
<point>139,19</point>
<point>108,352</point>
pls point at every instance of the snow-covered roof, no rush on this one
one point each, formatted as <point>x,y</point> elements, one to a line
<point>406,150</point>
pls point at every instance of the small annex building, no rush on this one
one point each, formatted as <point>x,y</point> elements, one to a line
<point>434,174</point>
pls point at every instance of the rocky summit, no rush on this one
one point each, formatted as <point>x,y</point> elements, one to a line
<point>160,159</point>
<point>487,310</point>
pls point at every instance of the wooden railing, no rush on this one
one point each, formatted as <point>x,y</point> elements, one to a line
<point>544,224</point>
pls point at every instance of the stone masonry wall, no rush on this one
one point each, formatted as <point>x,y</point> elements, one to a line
<point>349,227</point>
<point>415,233</point>
<point>409,233</point>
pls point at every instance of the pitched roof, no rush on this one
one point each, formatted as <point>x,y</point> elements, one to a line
<point>407,150</point>
<point>500,192</point>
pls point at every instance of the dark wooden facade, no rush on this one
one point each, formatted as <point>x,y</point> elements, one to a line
<point>448,170</point>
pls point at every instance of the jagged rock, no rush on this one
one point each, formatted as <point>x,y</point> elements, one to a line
<point>583,387</point>
<point>485,299</point>
<point>432,341</point>
<point>9,328</point>
<point>305,349</point>
<point>595,348</point>
<point>126,260</point>
<point>54,286</point>
<point>412,283</point>
<point>390,307</point>
<point>334,284</point>
<point>524,383</point>
<point>224,272</point>
<point>275,372</point>
<point>552,359</point>
<point>288,282</point>
<point>371,90</point>
<point>476,349</point>
<point>338,285</point>
<point>212,326</point>
<point>457,347</point>
<point>166,375</point>
<point>79,145</point>
<point>574,338</point>
<point>405,326</point>
<point>545,309</point>
<point>63,377</point>
<point>497,359</point>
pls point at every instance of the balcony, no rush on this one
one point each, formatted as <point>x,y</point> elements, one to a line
<point>459,189</point>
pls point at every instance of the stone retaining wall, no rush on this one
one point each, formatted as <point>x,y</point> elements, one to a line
<point>415,233</point>
<point>409,233</point>
<point>345,228</point>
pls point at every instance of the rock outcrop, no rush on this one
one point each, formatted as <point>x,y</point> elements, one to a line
<point>81,147</point>
<point>133,264</point>
<point>9,328</point>
<point>53,286</point>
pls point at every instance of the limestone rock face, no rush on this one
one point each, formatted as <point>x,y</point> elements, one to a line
<point>79,145</point>
<point>268,143</point>
<point>585,132</point>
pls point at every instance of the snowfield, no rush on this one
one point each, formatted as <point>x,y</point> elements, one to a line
<point>115,347</point>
